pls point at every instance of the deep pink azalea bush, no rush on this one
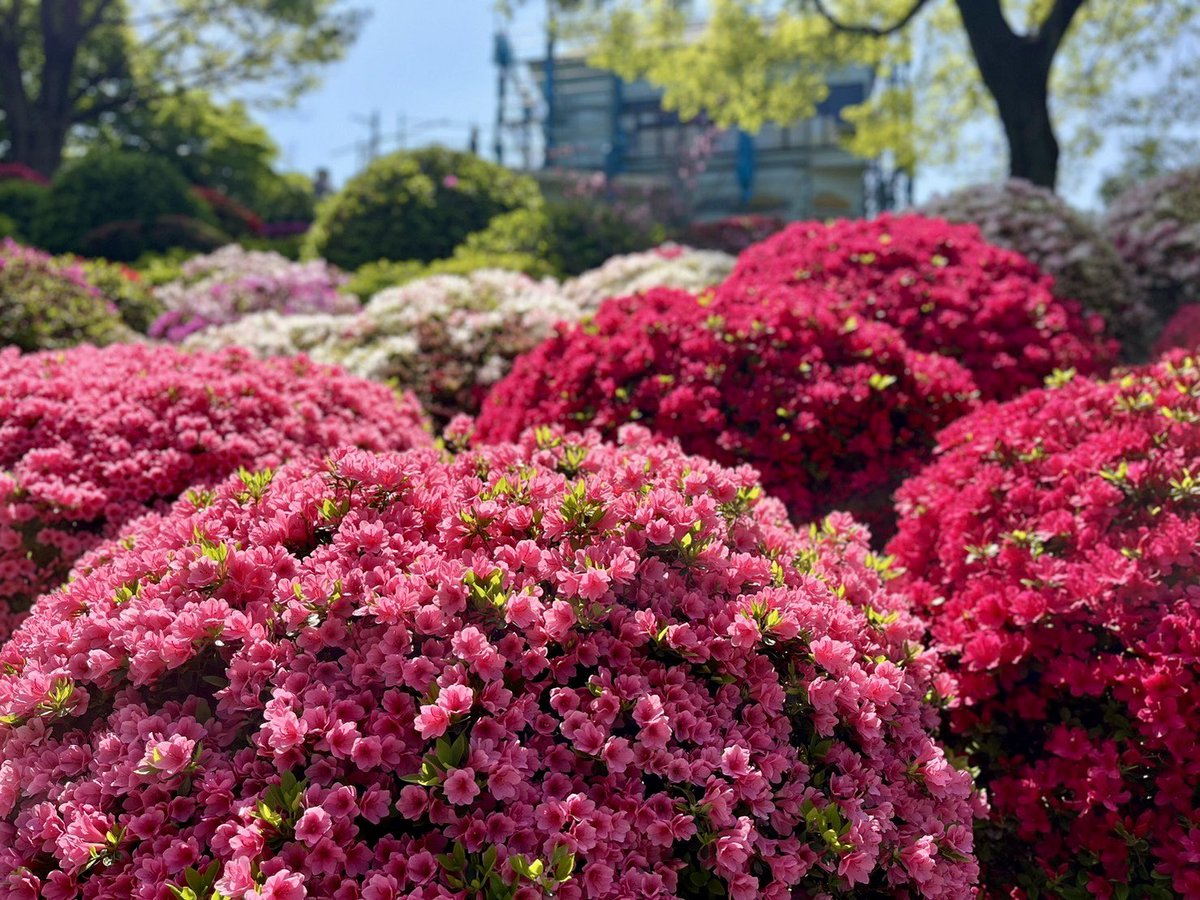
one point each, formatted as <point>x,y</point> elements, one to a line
<point>831,409</point>
<point>90,438</point>
<point>1053,547</point>
<point>1063,243</point>
<point>1182,332</point>
<point>942,286</point>
<point>555,667</point>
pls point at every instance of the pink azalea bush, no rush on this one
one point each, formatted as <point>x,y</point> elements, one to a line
<point>833,411</point>
<point>1053,548</point>
<point>1182,332</point>
<point>1155,226</point>
<point>558,667</point>
<point>91,438</point>
<point>232,282</point>
<point>943,287</point>
<point>1035,222</point>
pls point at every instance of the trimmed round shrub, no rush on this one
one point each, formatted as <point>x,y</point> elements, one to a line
<point>90,439</point>
<point>572,236</point>
<point>1181,333</point>
<point>130,240</point>
<point>415,205</point>
<point>446,338</point>
<point>286,198</point>
<point>223,286</point>
<point>23,202</point>
<point>1053,548</point>
<point>1038,224</point>
<point>554,669</point>
<point>942,286</point>
<point>1155,226</point>
<point>46,304</point>
<point>831,411</point>
<point>667,266</point>
<point>130,193</point>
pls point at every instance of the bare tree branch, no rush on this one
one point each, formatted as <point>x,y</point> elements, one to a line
<point>1054,29</point>
<point>868,30</point>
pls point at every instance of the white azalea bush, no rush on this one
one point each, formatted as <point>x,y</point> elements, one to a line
<point>449,338</point>
<point>227,284</point>
<point>670,265</point>
<point>1155,226</point>
<point>1063,243</point>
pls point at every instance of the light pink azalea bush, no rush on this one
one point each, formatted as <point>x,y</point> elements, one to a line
<point>1035,222</point>
<point>91,438</point>
<point>232,282</point>
<point>553,668</point>
<point>1155,226</point>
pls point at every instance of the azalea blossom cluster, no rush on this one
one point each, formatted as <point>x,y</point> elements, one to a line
<point>1053,548</point>
<point>229,283</point>
<point>92,438</point>
<point>670,265</point>
<point>559,667</point>
<point>16,171</point>
<point>1182,332</point>
<point>943,287</point>
<point>1038,224</point>
<point>1155,226</point>
<point>449,338</point>
<point>832,409</point>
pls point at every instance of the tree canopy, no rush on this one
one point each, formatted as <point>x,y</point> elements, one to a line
<point>71,63</point>
<point>1085,69</point>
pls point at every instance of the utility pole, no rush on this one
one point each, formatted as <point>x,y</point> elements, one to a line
<point>548,125</point>
<point>502,56</point>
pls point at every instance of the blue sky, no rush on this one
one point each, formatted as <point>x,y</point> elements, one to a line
<point>423,60</point>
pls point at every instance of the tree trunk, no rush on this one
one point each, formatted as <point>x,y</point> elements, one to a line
<point>38,142</point>
<point>38,124</point>
<point>1025,114</point>
<point>1016,71</point>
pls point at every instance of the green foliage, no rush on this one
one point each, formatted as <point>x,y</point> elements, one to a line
<point>286,198</point>
<point>44,309</point>
<point>157,268</point>
<point>125,289</point>
<point>216,145</point>
<point>289,247</point>
<point>22,202</point>
<point>8,227</point>
<point>752,63</point>
<point>89,63</point>
<point>136,192</point>
<point>571,236</point>
<point>415,206</point>
<point>374,277</point>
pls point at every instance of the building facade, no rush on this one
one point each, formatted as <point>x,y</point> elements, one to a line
<point>595,122</point>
